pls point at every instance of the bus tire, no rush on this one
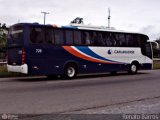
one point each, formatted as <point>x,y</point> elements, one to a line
<point>133,68</point>
<point>70,71</point>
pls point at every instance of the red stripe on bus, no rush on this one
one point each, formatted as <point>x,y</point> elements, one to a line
<point>77,54</point>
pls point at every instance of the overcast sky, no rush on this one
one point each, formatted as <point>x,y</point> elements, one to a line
<point>131,15</point>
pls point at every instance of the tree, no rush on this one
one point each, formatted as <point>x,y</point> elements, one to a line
<point>156,48</point>
<point>3,40</point>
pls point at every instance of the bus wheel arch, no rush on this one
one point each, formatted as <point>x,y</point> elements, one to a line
<point>134,67</point>
<point>70,70</point>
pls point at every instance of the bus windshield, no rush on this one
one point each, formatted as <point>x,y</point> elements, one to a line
<point>15,35</point>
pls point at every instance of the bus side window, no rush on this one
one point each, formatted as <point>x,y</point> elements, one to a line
<point>139,40</point>
<point>100,39</point>
<point>40,35</point>
<point>117,40</point>
<point>69,37</point>
<point>49,36</point>
<point>107,39</point>
<point>77,37</point>
<point>33,35</point>
<point>59,38</point>
<point>113,39</point>
<point>93,38</point>
<point>122,41</point>
<point>83,38</point>
<point>87,38</point>
<point>136,41</point>
<point>132,40</point>
<point>37,35</point>
<point>129,40</point>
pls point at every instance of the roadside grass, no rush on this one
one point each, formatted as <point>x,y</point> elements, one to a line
<point>5,73</point>
<point>156,64</point>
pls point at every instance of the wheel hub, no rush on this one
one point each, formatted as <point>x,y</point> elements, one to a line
<point>71,71</point>
<point>134,68</point>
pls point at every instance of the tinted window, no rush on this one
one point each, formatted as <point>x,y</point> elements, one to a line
<point>117,40</point>
<point>69,37</point>
<point>135,39</point>
<point>37,35</point>
<point>15,32</point>
<point>100,40</point>
<point>143,42</point>
<point>86,38</point>
<point>129,40</point>
<point>49,36</point>
<point>33,35</point>
<point>97,39</point>
<point>107,39</point>
<point>58,34</point>
<point>132,40</point>
<point>122,40</point>
<point>15,35</point>
<point>139,40</point>
<point>148,50</point>
<point>77,38</point>
<point>113,39</point>
<point>93,38</point>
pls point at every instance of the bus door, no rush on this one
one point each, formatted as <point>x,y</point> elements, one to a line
<point>146,47</point>
<point>148,50</point>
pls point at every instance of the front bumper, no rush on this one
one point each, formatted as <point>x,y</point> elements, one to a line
<point>18,69</point>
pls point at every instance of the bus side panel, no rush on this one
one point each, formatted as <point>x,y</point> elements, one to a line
<point>146,66</point>
<point>51,59</point>
<point>46,60</point>
<point>96,59</point>
<point>43,60</point>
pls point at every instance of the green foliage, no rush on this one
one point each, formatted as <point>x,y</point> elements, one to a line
<point>156,51</point>
<point>3,41</point>
<point>5,73</point>
<point>156,64</point>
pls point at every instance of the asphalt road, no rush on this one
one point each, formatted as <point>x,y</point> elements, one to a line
<point>39,95</point>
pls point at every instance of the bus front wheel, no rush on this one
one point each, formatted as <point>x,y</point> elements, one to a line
<point>133,68</point>
<point>70,71</point>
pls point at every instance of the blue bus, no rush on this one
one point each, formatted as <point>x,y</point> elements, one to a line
<point>50,50</point>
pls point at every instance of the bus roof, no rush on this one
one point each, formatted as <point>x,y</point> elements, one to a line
<point>83,27</point>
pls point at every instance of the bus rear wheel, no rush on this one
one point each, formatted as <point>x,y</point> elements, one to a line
<point>133,68</point>
<point>70,71</point>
